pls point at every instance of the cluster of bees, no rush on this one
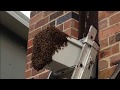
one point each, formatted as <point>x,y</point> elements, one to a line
<point>45,44</point>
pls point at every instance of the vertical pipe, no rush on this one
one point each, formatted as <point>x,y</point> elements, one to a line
<point>86,19</point>
<point>0,49</point>
<point>81,24</point>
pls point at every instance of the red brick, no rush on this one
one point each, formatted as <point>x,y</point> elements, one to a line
<point>109,31</point>
<point>60,27</point>
<point>32,27</point>
<point>36,18</point>
<point>114,19</point>
<point>103,24</point>
<point>42,22</point>
<point>103,43</point>
<point>103,74</point>
<point>112,39</point>
<point>28,73</point>
<point>115,48</point>
<point>103,64</point>
<point>28,58</point>
<point>105,53</point>
<point>30,43</point>
<point>67,24</point>
<point>74,24</point>
<point>35,72</point>
<point>32,34</point>
<point>115,60</point>
<point>44,75</point>
<point>74,33</point>
<point>29,51</point>
<point>68,32</point>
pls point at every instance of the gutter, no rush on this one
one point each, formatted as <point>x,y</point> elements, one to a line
<point>20,17</point>
<point>16,22</point>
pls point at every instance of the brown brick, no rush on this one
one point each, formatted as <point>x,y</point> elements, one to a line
<point>103,43</point>
<point>36,18</point>
<point>28,58</point>
<point>52,23</point>
<point>27,66</point>
<point>114,19</point>
<point>74,24</point>
<point>42,22</point>
<point>115,60</point>
<point>74,32</point>
<point>118,37</point>
<point>29,51</point>
<point>67,11</point>
<point>28,73</point>
<point>35,72</point>
<point>45,26</point>
<point>105,53</point>
<point>67,24</point>
<point>38,12</point>
<point>68,32</point>
<point>48,25</point>
<point>109,31</point>
<point>103,64</point>
<point>103,24</point>
<point>36,77</point>
<point>115,48</point>
<point>32,27</point>
<point>46,13</point>
<point>76,12</point>
<point>44,75</point>
<point>105,14</point>
<point>32,34</point>
<point>30,64</point>
<point>30,43</point>
<point>112,39</point>
<point>60,27</point>
<point>103,74</point>
<point>56,14</point>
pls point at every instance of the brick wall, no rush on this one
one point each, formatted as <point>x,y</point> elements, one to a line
<point>66,21</point>
<point>109,39</point>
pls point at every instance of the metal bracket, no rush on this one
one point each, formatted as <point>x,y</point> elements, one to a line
<point>83,69</point>
<point>117,70</point>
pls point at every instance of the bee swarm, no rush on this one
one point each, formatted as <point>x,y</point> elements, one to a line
<point>45,43</point>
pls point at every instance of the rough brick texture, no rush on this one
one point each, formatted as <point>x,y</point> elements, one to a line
<point>109,37</point>
<point>66,21</point>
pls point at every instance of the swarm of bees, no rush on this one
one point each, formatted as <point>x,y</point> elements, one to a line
<point>45,44</point>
